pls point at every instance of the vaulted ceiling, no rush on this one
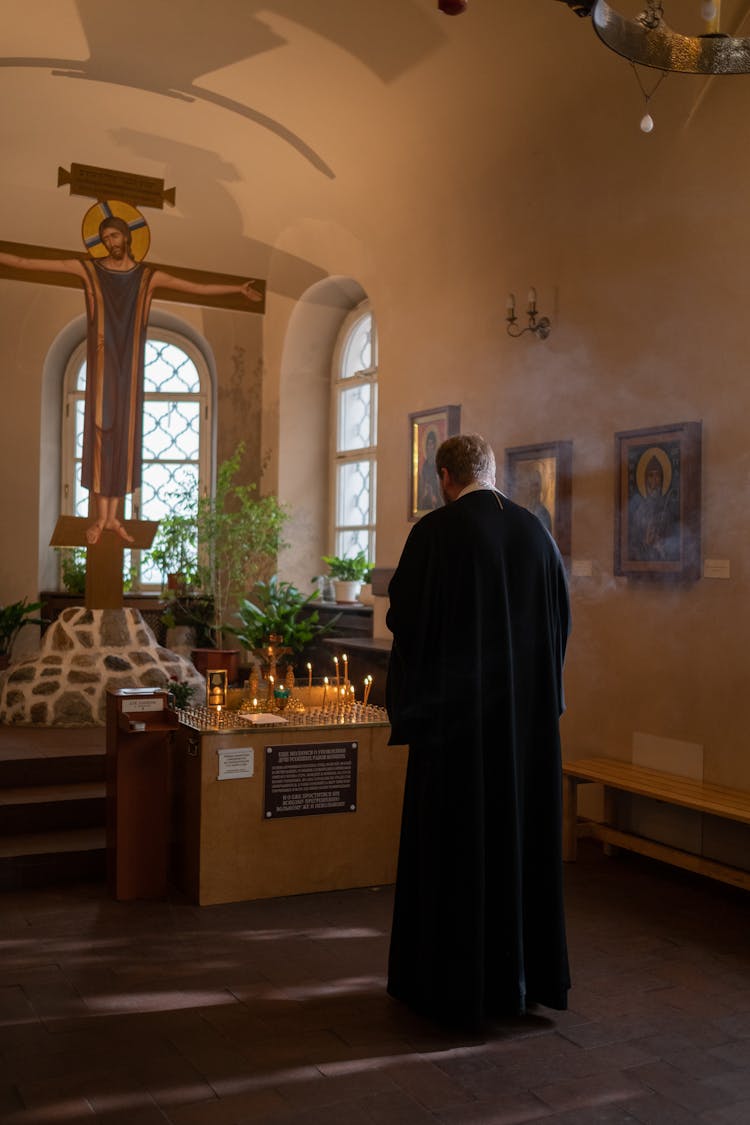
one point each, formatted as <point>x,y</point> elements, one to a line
<point>262,112</point>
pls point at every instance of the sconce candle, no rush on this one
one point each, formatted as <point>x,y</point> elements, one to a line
<point>539,325</point>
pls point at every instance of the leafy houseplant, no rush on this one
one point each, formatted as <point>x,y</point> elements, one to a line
<point>194,610</point>
<point>175,551</point>
<point>73,569</point>
<point>239,537</point>
<point>356,569</point>
<point>275,611</point>
<point>180,692</point>
<point>13,617</point>
<point>348,574</point>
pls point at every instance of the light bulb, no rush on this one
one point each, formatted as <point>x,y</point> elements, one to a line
<point>647,123</point>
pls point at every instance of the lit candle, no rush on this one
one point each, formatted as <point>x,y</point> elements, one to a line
<point>336,662</point>
<point>345,658</point>
<point>710,10</point>
<point>325,689</point>
<point>255,704</point>
<point>270,687</point>
<point>368,685</point>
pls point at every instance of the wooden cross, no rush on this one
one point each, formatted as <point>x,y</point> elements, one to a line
<point>103,559</point>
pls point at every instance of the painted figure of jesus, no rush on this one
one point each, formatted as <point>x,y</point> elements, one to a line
<point>119,291</point>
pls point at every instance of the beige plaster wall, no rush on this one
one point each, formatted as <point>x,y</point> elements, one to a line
<point>636,246</point>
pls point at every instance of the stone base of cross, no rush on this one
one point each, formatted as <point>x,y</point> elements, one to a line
<point>103,559</point>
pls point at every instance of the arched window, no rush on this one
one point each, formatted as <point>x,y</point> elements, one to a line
<point>355,412</point>
<point>176,429</point>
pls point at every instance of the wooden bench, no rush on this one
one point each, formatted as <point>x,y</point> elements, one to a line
<point>731,804</point>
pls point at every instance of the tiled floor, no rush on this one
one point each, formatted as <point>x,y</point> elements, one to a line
<point>275,1012</point>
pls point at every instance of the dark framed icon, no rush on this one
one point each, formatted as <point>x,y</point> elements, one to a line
<point>658,501</point>
<point>427,429</point>
<point>539,477</point>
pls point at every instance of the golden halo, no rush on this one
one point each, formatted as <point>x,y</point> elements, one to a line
<point>666,468</point>
<point>105,209</point>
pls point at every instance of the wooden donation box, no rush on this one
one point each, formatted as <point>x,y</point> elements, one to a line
<point>140,733</point>
<point>263,812</point>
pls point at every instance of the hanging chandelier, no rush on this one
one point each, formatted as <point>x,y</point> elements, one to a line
<point>648,40</point>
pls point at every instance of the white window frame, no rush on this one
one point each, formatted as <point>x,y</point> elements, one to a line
<point>71,395</point>
<point>369,453</point>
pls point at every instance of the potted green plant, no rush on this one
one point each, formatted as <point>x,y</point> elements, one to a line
<point>279,609</point>
<point>191,611</point>
<point>348,574</point>
<point>174,551</point>
<point>239,537</point>
<point>179,693</point>
<point>13,617</point>
<point>73,569</point>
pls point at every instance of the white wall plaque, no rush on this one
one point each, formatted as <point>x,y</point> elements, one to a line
<point>716,568</point>
<point>237,761</point>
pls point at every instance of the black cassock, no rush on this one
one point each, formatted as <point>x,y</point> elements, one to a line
<point>480,618</point>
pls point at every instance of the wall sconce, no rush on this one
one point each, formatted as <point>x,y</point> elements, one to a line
<point>539,325</point>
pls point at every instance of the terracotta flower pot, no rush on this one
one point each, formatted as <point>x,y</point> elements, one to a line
<point>209,659</point>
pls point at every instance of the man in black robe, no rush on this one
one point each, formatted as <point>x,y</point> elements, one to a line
<point>480,618</point>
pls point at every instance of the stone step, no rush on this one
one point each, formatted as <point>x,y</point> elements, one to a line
<point>52,769</point>
<point>46,843</point>
<point>48,793</point>
<point>40,859</point>
<point>47,808</point>
<point>31,756</point>
<point>52,805</point>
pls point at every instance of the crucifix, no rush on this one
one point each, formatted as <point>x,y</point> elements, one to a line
<point>103,559</point>
<point>119,288</point>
